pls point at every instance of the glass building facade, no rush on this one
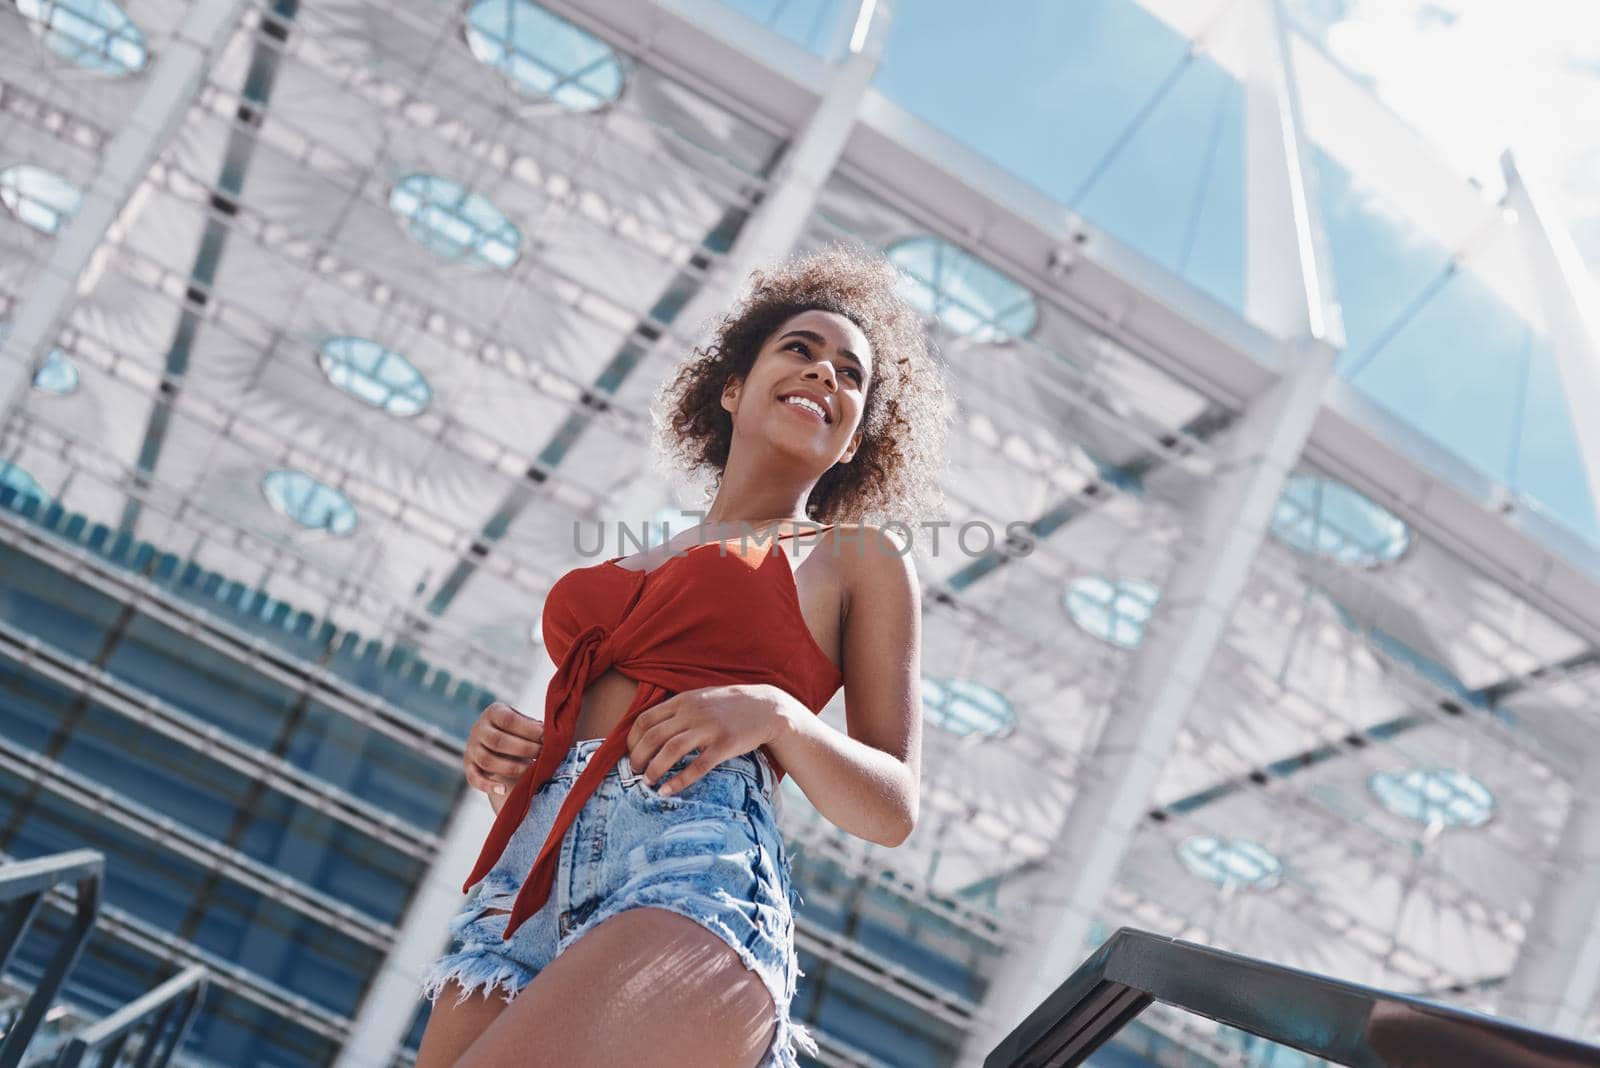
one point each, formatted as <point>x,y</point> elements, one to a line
<point>376,331</point>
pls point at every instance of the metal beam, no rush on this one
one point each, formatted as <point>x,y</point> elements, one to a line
<point>144,133</point>
<point>1556,978</point>
<point>1571,304</point>
<point>207,743</point>
<point>1226,527</point>
<point>384,1017</point>
<point>249,652</point>
<point>132,932</point>
<point>213,241</point>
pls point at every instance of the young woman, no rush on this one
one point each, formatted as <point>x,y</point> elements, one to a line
<point>633,902</point>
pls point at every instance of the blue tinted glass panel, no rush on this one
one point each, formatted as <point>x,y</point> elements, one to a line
<point>371,373</point>
<point>94,34</point>
<point>870,1019</point>
<point>57,375</point>
<point>214,800</point>
<point>456,224</point>
<point>168,890</point>
<point>309,502</point>
<point>1114,611</point>
<point>1434,795</point>
<point>544,56</point>
<point>1325,518</point>
<point>964,707</point>
<point>808,23</point>
<point>964,293</point>
<point>38,198</point>
<point>1230,862</point>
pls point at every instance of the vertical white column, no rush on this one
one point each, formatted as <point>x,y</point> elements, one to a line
<point>1556,978</point>
<point>791,195</point>
<point>386,1010</point>
<point>1288,292</point>
<point>423,934</point>
<point>169,87</point>
<point>1570,301</point>
<point>1555,981</point>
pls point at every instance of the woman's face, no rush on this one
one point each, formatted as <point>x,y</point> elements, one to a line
<point>807,389</point>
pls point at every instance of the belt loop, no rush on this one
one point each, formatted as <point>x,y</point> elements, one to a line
<point>768,777</point>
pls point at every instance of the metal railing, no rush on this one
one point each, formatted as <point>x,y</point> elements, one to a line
<point>23,885</point>
<point>169,1009</point>
<point>1343,1023</point>
<point>172,1004</point>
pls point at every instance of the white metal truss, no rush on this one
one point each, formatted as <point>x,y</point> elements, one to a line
<point>126,160</point>
<point>1229,524</point>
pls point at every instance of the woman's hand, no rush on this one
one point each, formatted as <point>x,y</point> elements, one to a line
<point>720,721</point>
<point>501,744</point>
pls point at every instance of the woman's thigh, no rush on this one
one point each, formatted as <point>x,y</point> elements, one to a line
<point>646,986</point>
<point>453,1027</point>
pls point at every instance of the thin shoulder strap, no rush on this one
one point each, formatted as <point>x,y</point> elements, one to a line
<point>807,530</point>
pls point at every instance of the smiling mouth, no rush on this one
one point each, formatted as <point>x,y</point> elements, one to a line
<point>808,408</point>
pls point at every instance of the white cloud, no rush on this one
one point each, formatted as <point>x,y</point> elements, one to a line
<point>1479,76</point>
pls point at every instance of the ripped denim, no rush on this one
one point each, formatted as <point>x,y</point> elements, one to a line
<point>712,853</point>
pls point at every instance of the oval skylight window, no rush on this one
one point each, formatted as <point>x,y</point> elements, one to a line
<point>964,707</point>
<point>57,375</point>
<point>369,372</point>
<point>1442,795</point>
<point>1113,611</point>
<point>544,56</point>
<point>94,34</point>
<point>14,477</point>
<point>309,502</point>
<point>42,199</point>
<point>966,294</point>
<point>1230,862</point>
<point>1320,517</point>
<point>456,224</point>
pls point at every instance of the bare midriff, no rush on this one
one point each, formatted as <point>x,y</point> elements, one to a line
<point>605,702</point>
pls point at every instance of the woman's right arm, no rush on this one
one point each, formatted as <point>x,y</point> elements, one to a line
<point>501,744</point>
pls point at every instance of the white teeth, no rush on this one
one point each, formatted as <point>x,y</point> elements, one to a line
<point>810,404</point>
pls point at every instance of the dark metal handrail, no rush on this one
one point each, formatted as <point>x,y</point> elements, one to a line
<point>23,885</point>
<point>1345,1023</point>
<point>173,1002</point>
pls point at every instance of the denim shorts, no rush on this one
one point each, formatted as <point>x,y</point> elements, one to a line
<point>712,853</point>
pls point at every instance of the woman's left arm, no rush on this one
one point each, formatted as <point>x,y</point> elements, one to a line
<point>867,782</point>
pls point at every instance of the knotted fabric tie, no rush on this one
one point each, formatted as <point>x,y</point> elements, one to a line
<point>589,657</point>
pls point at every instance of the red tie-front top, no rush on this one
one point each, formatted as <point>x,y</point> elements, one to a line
<point>719,613</point>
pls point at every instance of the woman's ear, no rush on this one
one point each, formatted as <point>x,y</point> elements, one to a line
<point>854,447</point>
<point>730,394</point>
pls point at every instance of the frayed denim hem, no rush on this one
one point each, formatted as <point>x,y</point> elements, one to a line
<point>788,1035</point>
<point>474,969</point>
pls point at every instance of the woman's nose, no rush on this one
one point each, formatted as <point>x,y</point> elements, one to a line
<point>824,371</point>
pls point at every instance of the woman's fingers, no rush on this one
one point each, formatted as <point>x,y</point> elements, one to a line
<point>499,767</point>
<point>501,745</point>
<point>492,779</point>
<point>482,781</point>
<point>507,731</point>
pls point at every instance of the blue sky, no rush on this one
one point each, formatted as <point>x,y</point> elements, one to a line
<point>1045,87</point>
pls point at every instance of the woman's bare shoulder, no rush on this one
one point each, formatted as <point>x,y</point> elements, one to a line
<point>870,560</point>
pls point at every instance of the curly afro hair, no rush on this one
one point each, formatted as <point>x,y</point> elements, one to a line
<point>905,421</point>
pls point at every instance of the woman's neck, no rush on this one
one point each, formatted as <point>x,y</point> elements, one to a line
<point>757,497</point>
